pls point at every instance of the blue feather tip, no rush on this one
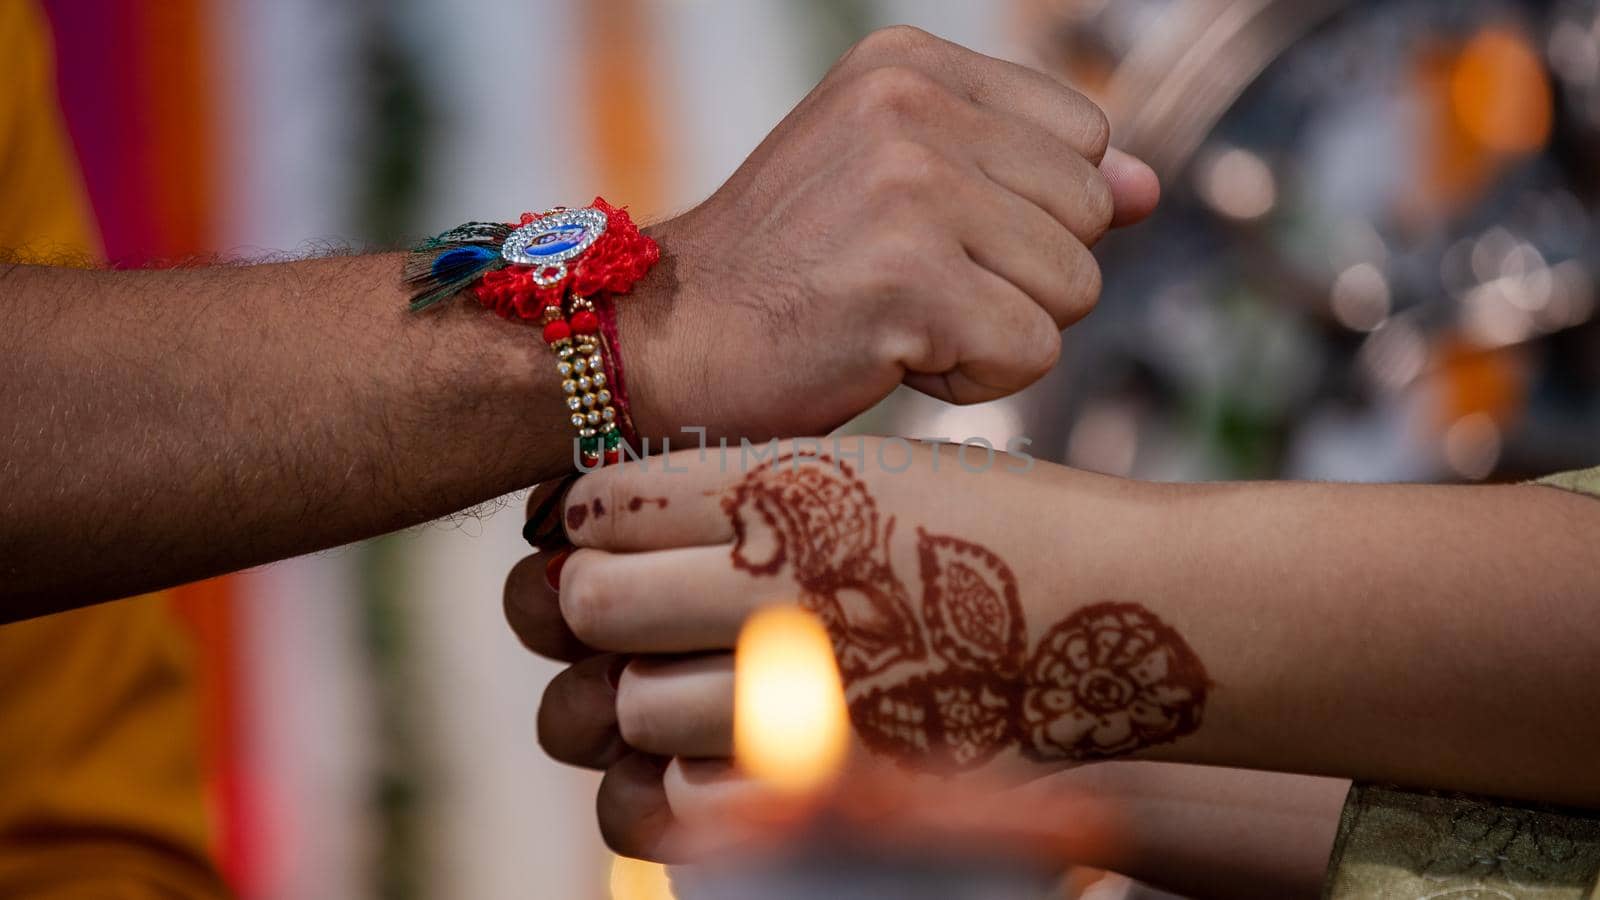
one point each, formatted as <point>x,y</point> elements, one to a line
<point>449,272</point>
<point>462,262</point>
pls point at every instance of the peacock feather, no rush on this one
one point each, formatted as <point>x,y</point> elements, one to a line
<point>444,264</point>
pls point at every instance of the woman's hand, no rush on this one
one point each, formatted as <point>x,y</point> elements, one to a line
<point>1014,622</point>
<point>967,640</point>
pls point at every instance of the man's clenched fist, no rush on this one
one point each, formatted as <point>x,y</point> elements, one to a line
<point>923,215</point>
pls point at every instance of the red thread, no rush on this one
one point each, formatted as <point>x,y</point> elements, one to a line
<point>613,367</point>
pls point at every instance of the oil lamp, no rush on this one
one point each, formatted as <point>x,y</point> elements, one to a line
<point>826,827</point>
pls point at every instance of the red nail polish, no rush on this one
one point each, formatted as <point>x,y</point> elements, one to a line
<point>552,569</point>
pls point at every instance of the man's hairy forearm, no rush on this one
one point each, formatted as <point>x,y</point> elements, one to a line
<point>167,425</point>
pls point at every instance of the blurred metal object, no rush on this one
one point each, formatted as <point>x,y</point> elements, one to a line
<point>1168,95</point>
<point>1574,52</point>
<point>1378,223</point>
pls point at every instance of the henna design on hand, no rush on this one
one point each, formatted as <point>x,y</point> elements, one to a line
<point>813,516</point>
<point>580,514</point>
<point>1109,679</point>
<point>963,715</point>
<point>970,605</point>
<point>944,721</point>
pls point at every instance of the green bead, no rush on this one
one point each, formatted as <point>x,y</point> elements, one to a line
<point>613,439</point>
<point>589,444</point>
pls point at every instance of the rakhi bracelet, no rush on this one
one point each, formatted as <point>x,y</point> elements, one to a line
<point>558,268</point>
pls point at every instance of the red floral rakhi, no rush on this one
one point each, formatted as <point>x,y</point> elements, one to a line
<point>554,268</point>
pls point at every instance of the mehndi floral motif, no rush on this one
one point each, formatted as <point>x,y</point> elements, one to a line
<point>1108,680</point>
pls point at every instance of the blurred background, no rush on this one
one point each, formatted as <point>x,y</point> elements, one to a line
<point>1375,260</point>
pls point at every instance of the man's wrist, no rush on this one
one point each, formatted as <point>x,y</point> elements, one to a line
<point>491,382</point>
<point>646,346</point>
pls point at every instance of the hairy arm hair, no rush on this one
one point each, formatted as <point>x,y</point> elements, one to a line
<point>163,425</point>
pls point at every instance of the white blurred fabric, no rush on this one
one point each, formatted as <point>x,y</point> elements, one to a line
<point>286,81</point>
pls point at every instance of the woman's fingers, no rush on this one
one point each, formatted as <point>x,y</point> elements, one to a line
<point>530,596</point>
<point>578,714</point>
<point>653,504</point>
<point>635,817</point>
<point>678,707</point>
<point>669,601</point>
<point>596,710</point>
<point>705,791</point>
<point>543,527</point>
<point>533,608</point>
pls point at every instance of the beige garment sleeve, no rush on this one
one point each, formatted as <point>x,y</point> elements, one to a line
<point>1583,481</point>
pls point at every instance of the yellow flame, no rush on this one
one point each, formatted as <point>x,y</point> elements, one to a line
<point>635,879</point>
<point>791,728</point>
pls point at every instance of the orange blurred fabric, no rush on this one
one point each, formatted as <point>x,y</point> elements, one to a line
<point>100,779</point>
